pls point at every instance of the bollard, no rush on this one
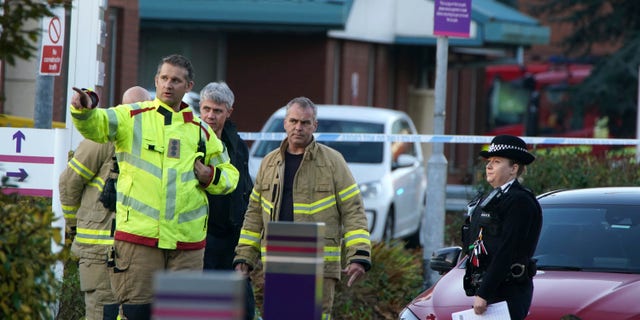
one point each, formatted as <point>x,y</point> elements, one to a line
<point>213,295</point>
<point>294,272</point>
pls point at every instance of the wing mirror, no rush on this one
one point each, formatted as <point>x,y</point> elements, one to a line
<point>445,259</point>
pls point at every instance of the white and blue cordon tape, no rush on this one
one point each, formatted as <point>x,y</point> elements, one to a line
<point>426,138</point>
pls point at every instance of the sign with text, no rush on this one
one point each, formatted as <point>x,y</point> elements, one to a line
<point>452,18</point>
<point>52,43</point>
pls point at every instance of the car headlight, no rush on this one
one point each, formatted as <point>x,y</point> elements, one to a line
<point>370,189</point>
<point>406,314</point>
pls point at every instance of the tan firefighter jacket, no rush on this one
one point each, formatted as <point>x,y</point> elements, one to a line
<point>324,191</point>
<point>80,187</point>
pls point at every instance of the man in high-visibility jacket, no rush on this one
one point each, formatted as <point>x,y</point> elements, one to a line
<point>168,158</point>
<point>304,181</point>
<point>88,221</point>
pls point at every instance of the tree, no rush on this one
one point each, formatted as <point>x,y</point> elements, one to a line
<point>613,83</point>
<point>17,40</point>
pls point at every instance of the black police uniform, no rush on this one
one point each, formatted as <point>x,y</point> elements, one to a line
<point>510,229</point>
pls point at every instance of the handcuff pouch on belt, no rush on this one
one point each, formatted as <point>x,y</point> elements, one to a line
<point>521,272</point>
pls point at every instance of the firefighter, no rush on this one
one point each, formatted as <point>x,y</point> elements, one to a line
<point>88,221</point>
<point>325,191</point>
<point>501,232</point>
<point>168,159</point>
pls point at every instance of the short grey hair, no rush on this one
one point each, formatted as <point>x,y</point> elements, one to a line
<point>218,92</point>
<point>304,102</point>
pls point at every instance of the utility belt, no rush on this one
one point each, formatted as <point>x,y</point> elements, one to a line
<point>518,273</point>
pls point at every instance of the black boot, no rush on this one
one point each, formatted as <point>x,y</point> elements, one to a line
<point>137,311</point>
<point>110,311</point>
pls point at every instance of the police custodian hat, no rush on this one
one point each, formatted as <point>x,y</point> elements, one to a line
<point>510,147</point>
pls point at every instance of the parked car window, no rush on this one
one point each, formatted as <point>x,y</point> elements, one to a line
<point>353,152</point>
<point>400,147</point>
<point>590,238</point>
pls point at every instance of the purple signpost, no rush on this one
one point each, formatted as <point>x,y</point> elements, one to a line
<point>452,18</point>
<point>294,270</point>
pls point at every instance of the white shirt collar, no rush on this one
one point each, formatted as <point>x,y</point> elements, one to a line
<point>505,187</point>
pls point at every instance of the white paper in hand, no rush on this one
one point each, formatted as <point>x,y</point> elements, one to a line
<point>495,311</point>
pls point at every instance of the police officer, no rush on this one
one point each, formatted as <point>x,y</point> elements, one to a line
<point>502,232</point>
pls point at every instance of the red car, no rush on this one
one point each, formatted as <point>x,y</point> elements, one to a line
<point>588,260</point>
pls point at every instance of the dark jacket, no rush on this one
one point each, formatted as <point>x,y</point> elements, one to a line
<point>226,212</point>
<point>510,236</point>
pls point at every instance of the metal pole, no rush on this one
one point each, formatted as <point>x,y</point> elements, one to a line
<point>433,220</point>
<point>43,111</point>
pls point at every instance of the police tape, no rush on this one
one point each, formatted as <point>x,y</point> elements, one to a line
<point>426,138</point>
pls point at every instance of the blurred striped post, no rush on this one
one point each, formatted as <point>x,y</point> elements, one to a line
<point>213,295</point>
<point>294,270</point>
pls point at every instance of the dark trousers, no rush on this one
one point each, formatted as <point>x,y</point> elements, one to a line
<point>518,297</point>
<point>218,255</point>
<point>220,250</point>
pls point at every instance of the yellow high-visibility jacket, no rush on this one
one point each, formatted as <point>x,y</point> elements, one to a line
<point>160,200</point>
<point>324,191</point>
<point>80,185</point>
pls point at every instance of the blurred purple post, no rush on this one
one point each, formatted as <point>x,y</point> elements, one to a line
<point>294,262</point>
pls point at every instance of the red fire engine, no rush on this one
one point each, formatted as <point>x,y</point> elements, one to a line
<point>533,100</point>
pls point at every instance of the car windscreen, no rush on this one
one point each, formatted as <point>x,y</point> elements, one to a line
<point>590,238</point>
<point>353,152</point>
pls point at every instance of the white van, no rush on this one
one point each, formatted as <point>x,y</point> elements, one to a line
<point>393,190</point>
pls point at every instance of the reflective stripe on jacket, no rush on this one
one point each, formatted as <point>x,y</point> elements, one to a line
<point>160,201</point>
<point>324,191</point>
<point>80,187</point>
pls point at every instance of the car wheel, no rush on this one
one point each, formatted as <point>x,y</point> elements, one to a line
<point>387,235</point>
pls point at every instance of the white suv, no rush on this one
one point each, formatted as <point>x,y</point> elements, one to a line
<point>393,187</point>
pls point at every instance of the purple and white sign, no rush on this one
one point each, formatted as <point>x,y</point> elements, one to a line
<point>27,161</point>
<point>452,18</point>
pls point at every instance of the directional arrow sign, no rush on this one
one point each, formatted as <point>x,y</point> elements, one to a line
<point>27,159</point>
<point>18,136</point>
<point>21,175</point>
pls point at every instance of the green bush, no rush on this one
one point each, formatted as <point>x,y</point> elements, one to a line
<point>28,288</point>
<point>71,298</point>
<point>570,168</point>
<point>574,167</point>
<point>394,279</point>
